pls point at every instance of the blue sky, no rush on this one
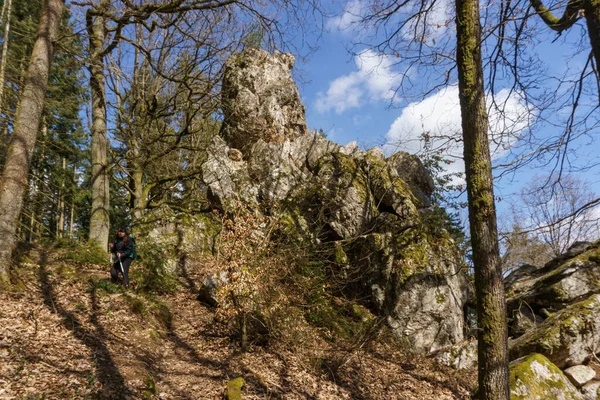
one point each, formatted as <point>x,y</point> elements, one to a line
<point>349,98</point>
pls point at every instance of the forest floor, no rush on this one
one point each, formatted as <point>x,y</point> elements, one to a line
<point>67,333</point>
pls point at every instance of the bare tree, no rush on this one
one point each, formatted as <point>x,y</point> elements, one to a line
<point>109,23</point>
<point>20,151</point>
<point>520,247</point>
<point>558,214</point>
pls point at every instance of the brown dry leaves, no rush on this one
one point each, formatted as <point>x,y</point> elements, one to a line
<point>62,337</point>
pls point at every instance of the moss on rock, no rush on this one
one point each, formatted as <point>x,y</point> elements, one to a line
<point>534,377</point>
<point>234,388</point>
<point>565,336</point>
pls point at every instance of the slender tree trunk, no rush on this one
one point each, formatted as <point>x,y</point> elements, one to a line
<point>72,210</point>
<point>491,306</point>
<point>100,221</point>
<point>60,226</point>
<point>4,122</point>
<point>7,3</point>
<point>20,150</point>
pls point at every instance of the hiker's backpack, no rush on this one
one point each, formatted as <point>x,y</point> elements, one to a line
<point>133,255</point>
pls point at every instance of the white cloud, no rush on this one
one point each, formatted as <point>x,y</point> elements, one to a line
<point>438,117</point>
<point>373,81</point>
<point>430,20</point>
<point>351,15</point>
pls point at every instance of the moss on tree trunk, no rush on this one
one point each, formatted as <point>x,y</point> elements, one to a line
<point>99,220</point>
<point>491,307</point>
<point>27,123</point>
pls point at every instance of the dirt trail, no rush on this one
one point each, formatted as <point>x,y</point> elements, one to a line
<point>65,335</point>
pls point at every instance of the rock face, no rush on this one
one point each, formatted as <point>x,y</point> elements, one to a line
<point>260,99</point>
<point>554,310</point>
<point>370,213</point>
<point>535,378</point>
<point>562,281</point>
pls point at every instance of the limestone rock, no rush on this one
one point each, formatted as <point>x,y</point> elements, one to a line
<point>460,356</point>
<point>227,179</point>
<point>591,391</point>
<point>260,99</point>
<point>534,377</point>
<point>523,319</point>
<point>210,284</point>
<point>579,375</point>
<point>278,169</point>
<point>365,210</point>
<point>343,190</point>
<point>567,337</point>
<point>414,283</point>
<point>410,169</point>
<point>563,281</point>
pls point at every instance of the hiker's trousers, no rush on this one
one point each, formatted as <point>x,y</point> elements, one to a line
<point>116,268</point>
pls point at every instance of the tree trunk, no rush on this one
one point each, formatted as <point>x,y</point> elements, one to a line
<point>491,306</point>
<point>20,150</point>
<point>100,221</point>
<point>7,4</point>
<point>60,226</point>
<point>72,210</point>
<point>591,9</point>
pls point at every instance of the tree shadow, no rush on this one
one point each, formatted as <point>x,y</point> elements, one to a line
<point>112,382</point>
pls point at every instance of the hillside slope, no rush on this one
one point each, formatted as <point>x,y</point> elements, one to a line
<point>66,332</point>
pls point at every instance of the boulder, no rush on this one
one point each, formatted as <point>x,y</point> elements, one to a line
<point>568,337</point>
<point>579,375</point>
<point>534,377</point>
<point>210,284</point>
<point>523,319</point>
<point>460,356</point>
<point>591,391</point>
<point>562,281</point>
<point>260,99</point>
<point>533,293</point>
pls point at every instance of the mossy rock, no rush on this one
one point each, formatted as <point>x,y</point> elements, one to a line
<point>534,377</point>
<point>562,281</point>
<point>566,336</point>
<point>234,389</point>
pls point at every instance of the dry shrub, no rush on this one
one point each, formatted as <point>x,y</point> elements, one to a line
<point>277,292</point>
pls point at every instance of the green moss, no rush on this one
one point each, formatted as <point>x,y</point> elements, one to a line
<point>234,388</point>
<point>440,298</point>
<point>557,333</point>
<point>136,305</point>
<point>339,319</point>
<point>341,258</point>
<point>150,389</point>
<point>535,377</point>
<point>78,253</point>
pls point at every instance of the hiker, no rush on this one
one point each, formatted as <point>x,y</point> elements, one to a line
<point>123,250</point>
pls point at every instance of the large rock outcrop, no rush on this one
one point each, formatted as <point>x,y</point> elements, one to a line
<point>260,99</point>
<point>555,309</point>
<point>369,212</point>
<point>554,322</point>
